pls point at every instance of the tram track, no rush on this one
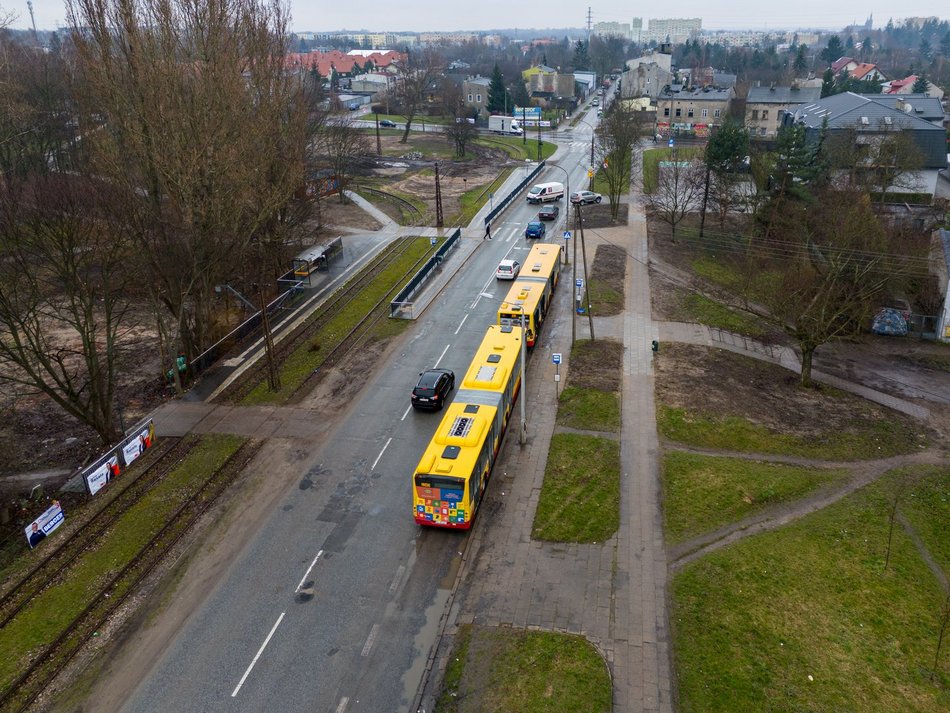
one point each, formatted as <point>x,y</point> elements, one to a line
<point>35,679</point>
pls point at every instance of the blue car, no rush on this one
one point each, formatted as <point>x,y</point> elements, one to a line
<point>535,229</point>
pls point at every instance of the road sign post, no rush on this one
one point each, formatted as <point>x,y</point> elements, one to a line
<point>567,236</point>
<point>556,358</point>
<point>579,286</point>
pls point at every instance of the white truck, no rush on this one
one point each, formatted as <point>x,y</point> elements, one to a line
<point>504,125</point>
<point>544,192</point>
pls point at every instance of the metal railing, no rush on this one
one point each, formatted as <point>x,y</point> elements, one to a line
<point>403,299</point>
<point>515,191</point>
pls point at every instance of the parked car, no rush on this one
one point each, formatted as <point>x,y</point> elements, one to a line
<point>535,229</point>
<point>585,197</point>
<point>549,212</point>
<point>387,123</point>
<point>432,389</point>
<point>596,102</point>
<point>508,270</point>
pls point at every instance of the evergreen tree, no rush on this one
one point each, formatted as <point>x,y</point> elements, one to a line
<point>498,101</point>
<point>945,45</point>
<point>801,59</point>
<point>921,85</point>
<point>581,58</point>
<point>828,83</point>
<point>834,50</point>
<point>926,51</point>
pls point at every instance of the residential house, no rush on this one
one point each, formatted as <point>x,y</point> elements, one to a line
<point>647,75</point>
<point>920,105</point>
<point>549,88</point>
<point>585,84</point>
<point>691,112</point>
<point>867,72</point>
<point>375,84</point>
<point>843,64</point>
<point>475,94</point>
<point>708,77</point>
<point>868,118</point>
<point>906,86</point>
<point>940,268</point>
<point>765,107</point>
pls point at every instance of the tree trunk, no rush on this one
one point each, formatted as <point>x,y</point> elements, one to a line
<point>702,215</point>
<point>807,353</point>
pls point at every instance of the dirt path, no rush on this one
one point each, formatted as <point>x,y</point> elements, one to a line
<point>863,473</point>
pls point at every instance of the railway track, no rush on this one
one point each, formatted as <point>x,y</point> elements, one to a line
<point>49,662</point>
<point>162,459</point>
<point>328,310</point>
<point>395,199</point>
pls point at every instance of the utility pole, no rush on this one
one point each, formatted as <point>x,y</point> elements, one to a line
<point>524,129</point>
<point>539,141</point>
<point>523,437</point>
<point>273,376</point>
<point>379,146</point>
<point>577,218</point>
<point>590,318</point>
<point>438,199</point>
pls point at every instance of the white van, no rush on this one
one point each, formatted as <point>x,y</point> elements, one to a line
<point>544,192</point>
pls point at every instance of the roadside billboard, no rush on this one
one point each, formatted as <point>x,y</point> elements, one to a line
<point>99,475</point>
<point>41,527</point>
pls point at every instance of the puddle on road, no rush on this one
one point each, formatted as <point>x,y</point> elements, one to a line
<point>425,639</point>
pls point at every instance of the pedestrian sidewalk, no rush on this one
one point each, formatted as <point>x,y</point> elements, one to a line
<point>613,593</point>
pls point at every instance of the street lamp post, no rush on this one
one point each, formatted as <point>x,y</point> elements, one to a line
<point>567,181</point>
<point>593,136</point>
<point>523,434</point>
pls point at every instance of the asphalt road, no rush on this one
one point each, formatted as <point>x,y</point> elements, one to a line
<point>334,605</point>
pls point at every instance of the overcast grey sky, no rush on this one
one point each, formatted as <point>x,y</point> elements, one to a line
<point>436,15</point>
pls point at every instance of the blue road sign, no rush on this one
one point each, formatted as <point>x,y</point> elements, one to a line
<point>556,358</point>
<point>671,143</point>
<point>579,282</point>
<point>567,234</point>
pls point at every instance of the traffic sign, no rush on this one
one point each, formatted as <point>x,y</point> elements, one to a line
<point>579,282</point>
<point>590,171</point>
<point>556,358</point>
<point>671,143</point>
<point>567,234</point>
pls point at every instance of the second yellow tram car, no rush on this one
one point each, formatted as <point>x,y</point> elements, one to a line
<point>450,479</point>
<point>532,290</point>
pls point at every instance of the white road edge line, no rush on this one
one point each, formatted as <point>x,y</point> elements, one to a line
<point>408,409</point>
<point>259,652</point>
<point>399,572</point>
<point>370,639</point>
<point>388,441</point>
<point>342,707</point>
<point>460,324</point>
<point>442,354</point>
<point>307,573</point>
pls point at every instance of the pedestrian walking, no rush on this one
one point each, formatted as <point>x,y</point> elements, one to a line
<point>487,231</point>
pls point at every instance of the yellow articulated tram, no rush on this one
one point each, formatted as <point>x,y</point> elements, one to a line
<point>451,477</point>
<point>532,289</point>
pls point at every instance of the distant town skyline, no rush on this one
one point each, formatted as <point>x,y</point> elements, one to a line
<point>426,16</point>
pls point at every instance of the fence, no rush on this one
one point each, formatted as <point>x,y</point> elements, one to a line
<point>403,299</point>
<point>520,187</point>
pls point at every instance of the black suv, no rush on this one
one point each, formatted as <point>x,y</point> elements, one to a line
<point>433,389</point>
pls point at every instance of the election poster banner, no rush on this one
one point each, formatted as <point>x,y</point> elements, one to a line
<point>41,527</point>
<point>99,475</point>
<point>138,443</point>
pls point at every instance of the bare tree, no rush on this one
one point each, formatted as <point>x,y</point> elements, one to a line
<point>461,129</point>
<point>618,148</point>
<point>64,297</point>
<point>679,190</point>
<point>341,142</point>
<point>205,141</point>
<point>818,281</point>
<point>413,79</point>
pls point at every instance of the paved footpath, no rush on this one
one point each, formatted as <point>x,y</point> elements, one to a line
<point>613,593</point>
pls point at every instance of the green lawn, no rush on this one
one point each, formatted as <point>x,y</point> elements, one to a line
<point>866,438</point>
<point>701,493</point>
<point>652,158</point>
<point>300,365</point>
<point>524,671</point>
<point>806,619</point>
<point>580,498</point>
<point>50,612</point>
<point>715,314</point>
<point>924,500</point>
<point>589,410</point>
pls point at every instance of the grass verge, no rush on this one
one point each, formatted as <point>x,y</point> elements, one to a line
<point>701,493</point>
<point>864,439</point>
<point>517,148</point>
<point>514,670</point>
<point>580,497</point>
<point>805,618</point>
<point>297,367</point>
<point>45,618</point>
<point>652,158</point>
<point>589,410</point>
<point>473,199</point>
<point>924,501</point>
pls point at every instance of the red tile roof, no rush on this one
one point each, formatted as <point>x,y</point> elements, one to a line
<point>862,70</point>
<point>840,64</point>
<point>343,63</point>
<point>899,84</point>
